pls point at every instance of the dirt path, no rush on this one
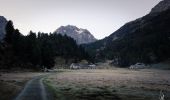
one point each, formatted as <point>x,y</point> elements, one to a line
<point>35,90</point>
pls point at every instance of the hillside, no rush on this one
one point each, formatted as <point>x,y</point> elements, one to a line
<point>146,39</point>
<point>162,6</point>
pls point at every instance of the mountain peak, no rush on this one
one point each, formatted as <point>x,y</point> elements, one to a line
<point>161,6</point>
<point>2,20</point>
<point>70,27</point>
<point>82,36</point>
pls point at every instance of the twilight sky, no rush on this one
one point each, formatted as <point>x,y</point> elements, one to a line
<point>100,17</point>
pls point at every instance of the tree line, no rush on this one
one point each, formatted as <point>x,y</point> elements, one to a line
<point>37,50</point>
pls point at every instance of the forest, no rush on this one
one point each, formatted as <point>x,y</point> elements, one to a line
<point>37,50</point>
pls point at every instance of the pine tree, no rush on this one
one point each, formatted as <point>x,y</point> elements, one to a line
<point>9,32</point>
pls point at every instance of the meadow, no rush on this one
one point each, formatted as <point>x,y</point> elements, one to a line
<point>109,84</point>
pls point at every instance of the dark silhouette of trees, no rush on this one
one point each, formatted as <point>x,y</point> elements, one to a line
<point>36,51</point>
<point>9,32</point>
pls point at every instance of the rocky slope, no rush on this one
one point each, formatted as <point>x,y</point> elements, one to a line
<point>162,6</point>
<point>82,36</point>
<point>146,39</point>
<point>3,22</point>
<point>132,26</point>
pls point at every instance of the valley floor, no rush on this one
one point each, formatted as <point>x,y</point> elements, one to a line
<point>93,84</point>
<point>111,84</point>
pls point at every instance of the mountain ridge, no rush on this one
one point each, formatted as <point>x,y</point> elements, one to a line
<point>81,36</point>
<point>124,45</point>
<point>161,6</point>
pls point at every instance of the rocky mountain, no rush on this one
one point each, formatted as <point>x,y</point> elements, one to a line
<point>132,26</point>
<point>162,6</point>
<point>146,39</point>
<point>82,36</point>
<point>3,22</point>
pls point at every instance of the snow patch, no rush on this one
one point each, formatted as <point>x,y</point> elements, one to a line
<point>79,31</point>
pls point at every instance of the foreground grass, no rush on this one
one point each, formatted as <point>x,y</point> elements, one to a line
<point>81,93</point>
<point>8,90</point>
<point>12,83</point>
<point>105,85</point>
<point>71,92</point>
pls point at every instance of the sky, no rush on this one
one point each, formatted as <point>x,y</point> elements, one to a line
<point>100,17</point>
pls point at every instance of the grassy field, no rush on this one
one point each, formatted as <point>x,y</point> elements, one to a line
<point>111,84</point>
<point>12,83</point>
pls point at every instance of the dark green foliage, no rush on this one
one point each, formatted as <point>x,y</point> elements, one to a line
<point>38,50</point>
<point>9,32</point>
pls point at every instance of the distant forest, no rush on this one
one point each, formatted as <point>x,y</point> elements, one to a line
<point>37,50</point>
